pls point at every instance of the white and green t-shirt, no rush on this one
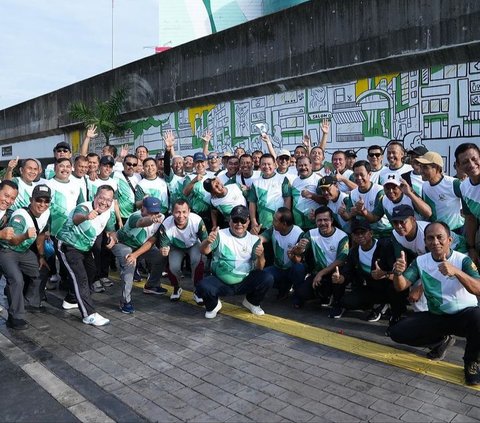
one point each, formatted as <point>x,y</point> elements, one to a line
<point>175,187</point>
<point>444,198</point>
<point>342,186</point>
<point>387,206</point>
<point>445,294</point>
<point>135,237</point>
<point>199,199</point>
<point>269,194</point>
<point>334,206</point>
<point>24,193</point>
<point>83,236</point>
<point>65,197</point>
<point>233,257</point>
<point>233,197</point>
<point>20,221</point>
<point>470,198</point>
<point>327,249</point>
<point>50,171</point>
<point>301,206</point>
<point>153,188</point>
<point>125,193</point>
<point>171,235</point>
<point>94,185</point>
<point>373,203</point>
<point>387,171</point>
<point>82,183</point>
<point>241,180</point>
<point>281,244</point>
<point>365,257</point>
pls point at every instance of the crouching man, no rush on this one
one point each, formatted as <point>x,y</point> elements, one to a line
<point>451,283</point>
<point>237,265</point>
<point>136,239</point>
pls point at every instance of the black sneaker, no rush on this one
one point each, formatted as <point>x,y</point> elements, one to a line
<point>391,323</point>
<point>17,324</point>
<point>336,312</point>
<point>438,352</point>
<point>472,373</point>
<point>325,301</point>
<point>377,313</point>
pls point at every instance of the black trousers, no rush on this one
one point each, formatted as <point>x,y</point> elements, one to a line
<point>427,329</point>
<point>81,266</point>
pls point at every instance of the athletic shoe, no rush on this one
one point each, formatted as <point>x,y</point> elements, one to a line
<point>17,324</point>
<point>96,320</point>
<point>106,282</point>
<point>55,278</point>
<point>127,308</point>
<point>176,294</point>
<point>155,290</point>
<point>50,286</point>
<point>438,352</point>
<point>377,313</point>
<point>97,287</point>
<point>257,310</point>
<point>137,277</point>
<point>197,299</point>
<point>392,322</point>
<point>213,313</point>
<point>68,305</point>
<point>336,312</point>
<point>472,373</point>
<point>325,301</point>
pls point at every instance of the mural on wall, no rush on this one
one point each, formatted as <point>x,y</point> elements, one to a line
<point>438,107</point>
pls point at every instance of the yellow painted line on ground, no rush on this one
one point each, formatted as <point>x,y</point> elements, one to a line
<point>442,370</point>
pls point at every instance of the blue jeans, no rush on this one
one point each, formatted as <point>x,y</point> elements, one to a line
<point>254,286</point>
<point>285,278</point>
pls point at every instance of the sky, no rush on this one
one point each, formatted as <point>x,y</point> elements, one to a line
<point>48,44</point>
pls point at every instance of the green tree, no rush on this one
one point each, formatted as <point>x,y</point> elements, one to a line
<point>105,115</point>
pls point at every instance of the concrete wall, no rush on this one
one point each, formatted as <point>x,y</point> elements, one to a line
<point>316,44</point>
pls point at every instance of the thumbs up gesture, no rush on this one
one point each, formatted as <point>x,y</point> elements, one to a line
<point>212,236</point>
<point>401,264</point>
<point>377,273</point>
<point>446,268</point>
<point>337,277</point>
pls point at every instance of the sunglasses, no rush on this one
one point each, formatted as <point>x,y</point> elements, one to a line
<point>239,220</point>
<point>284,158</point>
<point>130,164</point>
<point>375,155</point>
<point>212,157</point>
<point>62,150</point>
<point>42,200</point>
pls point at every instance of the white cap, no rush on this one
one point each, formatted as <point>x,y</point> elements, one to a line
<point>284,153</point>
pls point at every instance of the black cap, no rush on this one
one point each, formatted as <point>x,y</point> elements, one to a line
<point>401,212</point>
<point>328,180</point>
<point>350,153</point>
<point>239,211</point>
<point>360,224</point>
<point>107,160</point>
<point>62,144</point>
<point>419,151</point>
<point>41,191</point>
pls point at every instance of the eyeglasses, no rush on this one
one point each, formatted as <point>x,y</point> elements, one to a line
<point>42,200</point>
<point>130,164</point>
<point>212,157</point>
<point>239,220</point>
<point>62,150</point>
<point>377,155</point>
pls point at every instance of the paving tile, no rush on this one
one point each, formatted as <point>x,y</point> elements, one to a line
<point>388,408</point>
<point>437,412</point>
<point>295,414</point>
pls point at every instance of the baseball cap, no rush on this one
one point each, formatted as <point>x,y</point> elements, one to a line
<point>431,158</point>
<point>151,204</point>
<point>107,160</point>
<point>360,224</point>
<point>227,154</point>
<point>62,144</point>
<point>327,181</point>
<point>41,191</point>
<point>160,155</point>
<point>239,212</point>
<point>284,153</point>
<point>392,179</point>
<point>419,151</point>
<point>350,153</point>
<point>401,212</point>
<point>199,157</point>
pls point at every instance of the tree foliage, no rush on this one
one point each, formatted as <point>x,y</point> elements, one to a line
<point>105,115</point>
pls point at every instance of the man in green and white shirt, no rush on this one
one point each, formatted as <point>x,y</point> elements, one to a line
<point>127,180</point>
<point>18,260</point>
<point>29,172</point>
<point>451,283</point>
<point>136,240</point>
<point>76,238</point>
<point>151,185</point>
<point>237,266</point>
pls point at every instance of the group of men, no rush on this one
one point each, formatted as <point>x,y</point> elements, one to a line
<point>356,234</point>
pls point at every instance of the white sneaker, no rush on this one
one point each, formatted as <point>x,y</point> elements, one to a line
<point>257,310</point>
<point>96,320</point>
<point>69,306</point>
<point>197,299</point>
<point>55,278</point>
<point>176,295</point>
<point>212,314</point>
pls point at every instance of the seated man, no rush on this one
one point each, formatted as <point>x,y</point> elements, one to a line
<point>451,283</point>
<point>365,268</point>
<point>136,240</point>
<point>237,266</point>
